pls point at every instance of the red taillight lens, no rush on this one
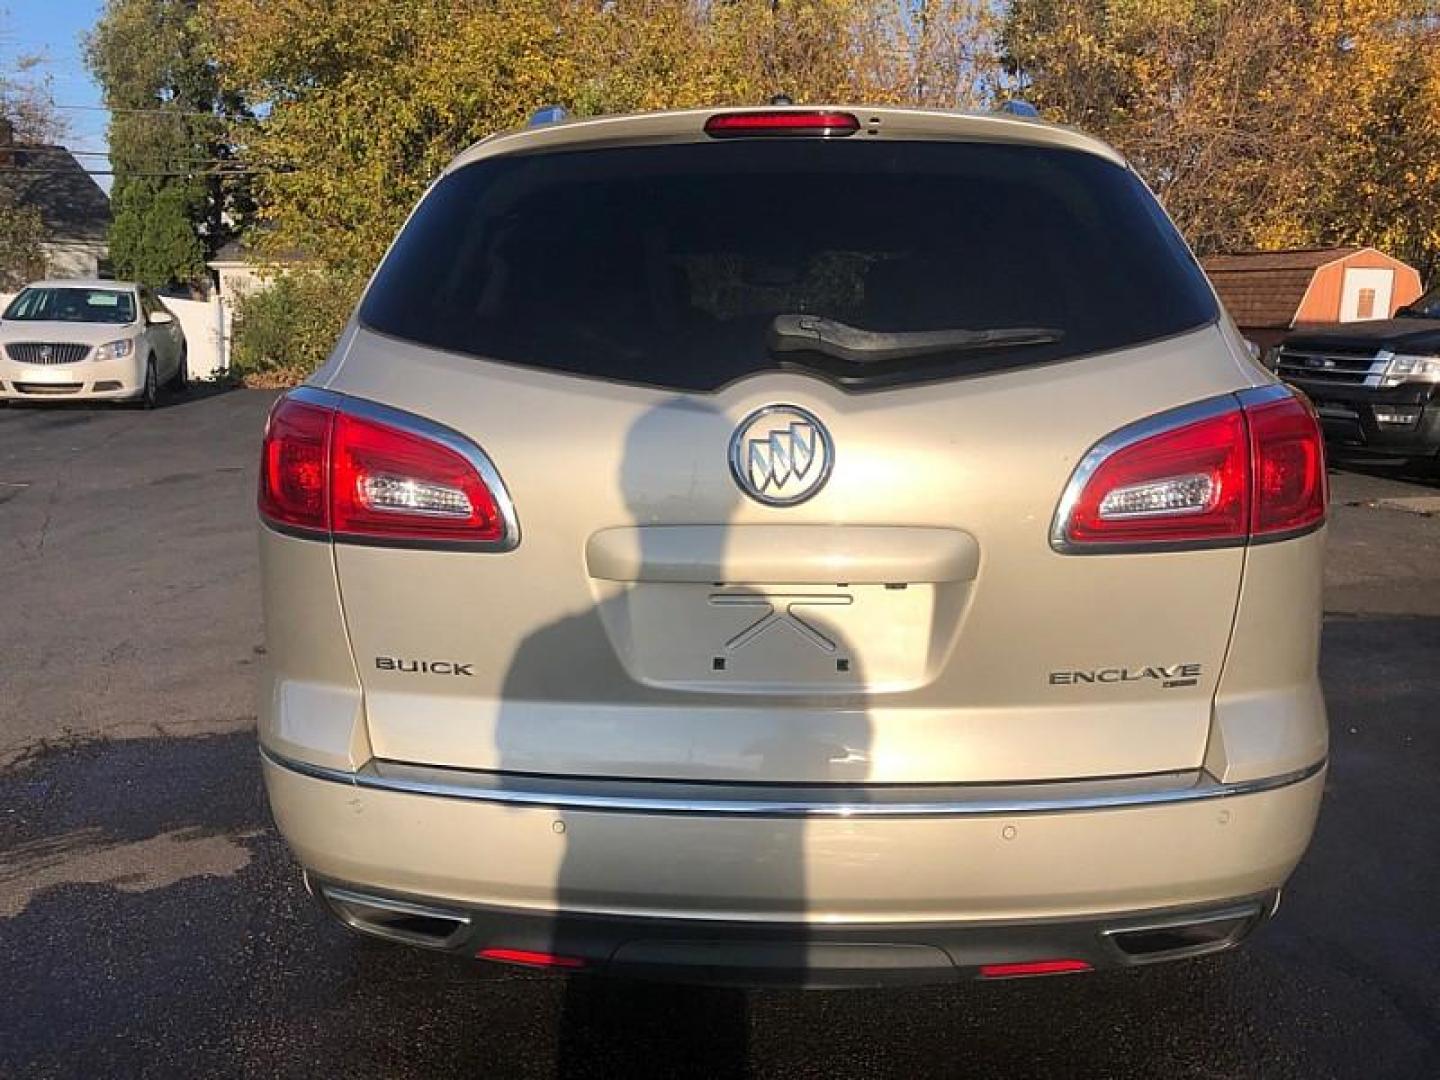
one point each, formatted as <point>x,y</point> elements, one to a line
<point>1032,967</point>
<point>295,466</point>
<point>1288,451</point>
<point>391,484</point>
<point>1184,485</point>
<point>820,122</point>
<point>344,473</point>
<point>1220,473</point>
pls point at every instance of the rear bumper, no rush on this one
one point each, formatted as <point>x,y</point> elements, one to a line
<point>732,952</point>
<point>1352,429</point>
<point>808,893</point>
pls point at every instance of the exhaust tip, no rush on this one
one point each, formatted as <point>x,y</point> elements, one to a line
<point>385,917</point>
<point>1185,935</point>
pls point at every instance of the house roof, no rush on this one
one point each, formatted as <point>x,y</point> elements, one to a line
<point>72,206</point>
<point>1290,259</point>
<point>1266,288</point>
<point>238,252</point>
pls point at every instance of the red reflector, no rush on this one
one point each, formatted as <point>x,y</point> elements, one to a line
<point>789,122</point>
<point>531,959</point>
<point>294,470</point>
<point>1289,462</point>
<point>1032,967</point>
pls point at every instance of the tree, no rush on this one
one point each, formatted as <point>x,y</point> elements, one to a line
<point>1258,122</point>
<point>22,258</point>
<point>176,198</point>
<point>371,98</point>
<point>368,100</point>
<point>27,116</point>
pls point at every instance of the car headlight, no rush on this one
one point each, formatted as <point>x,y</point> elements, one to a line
<point>115,350</point>
<point>1403,369</point>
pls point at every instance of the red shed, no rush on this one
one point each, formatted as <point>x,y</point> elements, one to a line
<point>1270,293</point>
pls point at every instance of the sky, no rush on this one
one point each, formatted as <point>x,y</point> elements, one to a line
<point>54,29</point>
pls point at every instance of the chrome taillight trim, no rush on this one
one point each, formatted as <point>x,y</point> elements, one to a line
<point>426,429</point>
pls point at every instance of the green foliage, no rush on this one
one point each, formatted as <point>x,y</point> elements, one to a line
<point>285,329</point>
<point>168,141</point>
<point>27,115</point>
<point>369,99</point>
<point>152,234</point>
<point>21,230</point>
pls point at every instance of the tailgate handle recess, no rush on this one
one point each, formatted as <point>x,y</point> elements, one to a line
<point>782,554</point>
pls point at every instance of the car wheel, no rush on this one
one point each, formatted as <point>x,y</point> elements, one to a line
<point>182,372</point>
<point>150,396</point>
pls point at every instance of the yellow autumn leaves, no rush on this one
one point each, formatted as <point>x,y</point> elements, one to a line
<point>1259,122</point>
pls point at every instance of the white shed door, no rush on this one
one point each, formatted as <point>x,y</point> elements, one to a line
<point>1366,294</point>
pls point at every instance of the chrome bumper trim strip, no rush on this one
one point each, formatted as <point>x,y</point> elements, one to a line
<point>791,801</point>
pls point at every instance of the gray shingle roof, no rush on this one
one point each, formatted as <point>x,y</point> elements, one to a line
<point>49,178</point>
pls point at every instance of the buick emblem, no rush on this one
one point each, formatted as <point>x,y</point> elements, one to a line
<point>781,455</point>
<point>44,354</point>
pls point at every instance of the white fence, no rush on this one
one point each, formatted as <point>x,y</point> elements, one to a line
<point>207,333</point>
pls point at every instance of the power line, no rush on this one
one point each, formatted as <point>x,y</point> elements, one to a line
<point>65,151</point>
<point>200,174</point>
<point>154,111</point>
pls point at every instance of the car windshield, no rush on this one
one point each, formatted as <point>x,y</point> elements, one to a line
<point>1427,307</point>
<point>670,265</point>
<point>115,306</point>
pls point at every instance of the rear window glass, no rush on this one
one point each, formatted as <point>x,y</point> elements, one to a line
<point>671,265</point>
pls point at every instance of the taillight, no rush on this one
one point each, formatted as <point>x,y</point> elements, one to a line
<point>386,482</point>
<point>1288,452</point>
<point>1222,472</point>
<point>294,468</point>
<point>822,122</point>
<point>356,472</point>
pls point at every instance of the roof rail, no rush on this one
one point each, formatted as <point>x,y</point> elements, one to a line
<point>550,114</point>
<point>1022,109</point>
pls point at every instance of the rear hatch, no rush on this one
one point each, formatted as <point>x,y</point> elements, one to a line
<point>765,531</point>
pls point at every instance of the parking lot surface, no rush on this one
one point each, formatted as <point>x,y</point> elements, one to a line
<point>152,923</point>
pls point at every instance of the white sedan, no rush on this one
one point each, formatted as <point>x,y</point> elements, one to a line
<point>89,339</point>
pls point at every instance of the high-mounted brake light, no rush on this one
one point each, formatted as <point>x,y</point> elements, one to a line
<point>823,122</point>
<point>347,470</point>
<point>1222,472</point>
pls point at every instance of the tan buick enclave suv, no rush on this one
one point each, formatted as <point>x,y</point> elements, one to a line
<point>825,546</point>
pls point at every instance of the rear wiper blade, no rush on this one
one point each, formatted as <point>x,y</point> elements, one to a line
<point>813,333</point>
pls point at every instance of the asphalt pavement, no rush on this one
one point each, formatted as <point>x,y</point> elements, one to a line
<point>153,924</point>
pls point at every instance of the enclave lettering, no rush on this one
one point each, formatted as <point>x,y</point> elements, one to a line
<point>1169,676</point>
